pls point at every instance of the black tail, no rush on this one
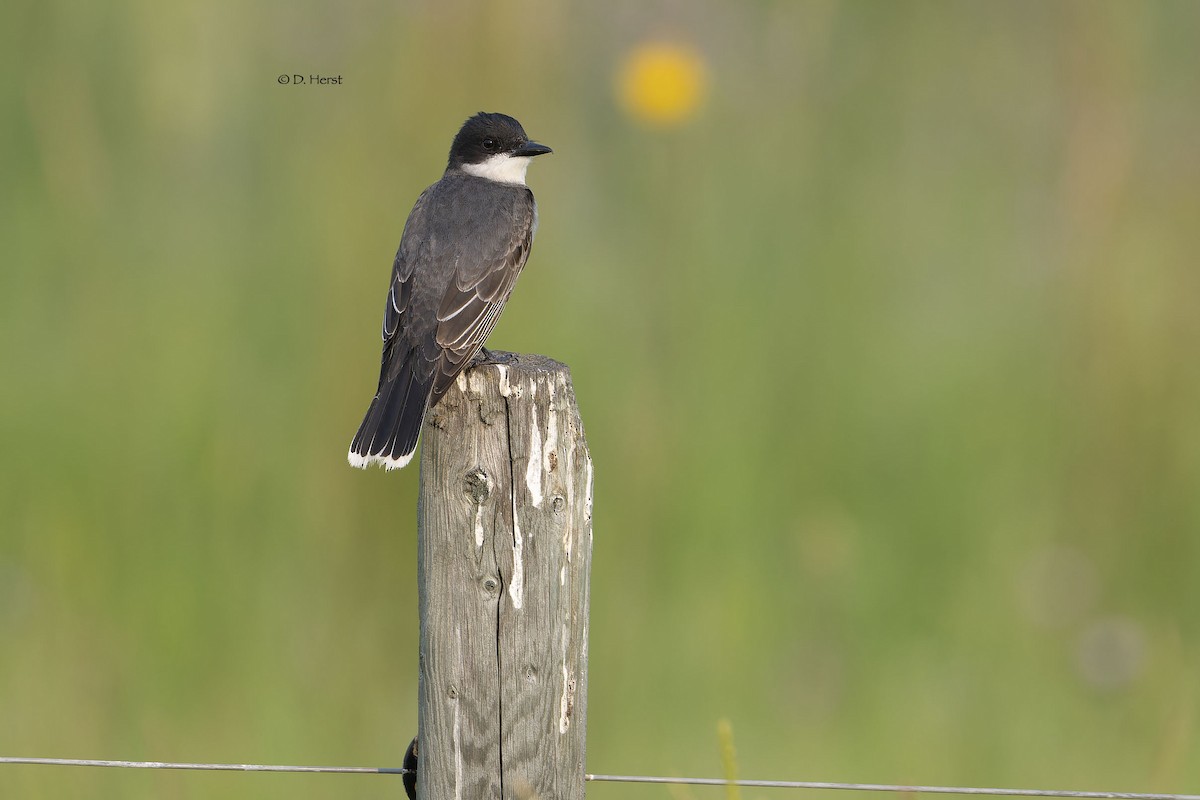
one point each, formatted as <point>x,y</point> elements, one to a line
<point>389,431</point>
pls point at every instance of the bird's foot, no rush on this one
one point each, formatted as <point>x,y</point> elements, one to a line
<point>485,356</point>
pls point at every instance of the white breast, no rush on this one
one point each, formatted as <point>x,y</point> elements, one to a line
<point>501,168</point>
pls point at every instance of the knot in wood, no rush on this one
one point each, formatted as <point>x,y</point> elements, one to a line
<point>478,485</point>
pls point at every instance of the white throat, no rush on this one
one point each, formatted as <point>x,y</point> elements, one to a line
<point>501,168</point>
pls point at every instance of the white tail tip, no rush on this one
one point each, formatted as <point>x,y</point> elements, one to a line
<point>389,463</point>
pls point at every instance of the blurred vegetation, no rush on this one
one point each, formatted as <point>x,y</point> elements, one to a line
<point>887,351</point>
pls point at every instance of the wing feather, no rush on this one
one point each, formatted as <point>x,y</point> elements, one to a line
<point>401,289</point>
<point>470,308</point>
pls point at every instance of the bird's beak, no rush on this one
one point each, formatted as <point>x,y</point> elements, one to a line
<point>530,149</point>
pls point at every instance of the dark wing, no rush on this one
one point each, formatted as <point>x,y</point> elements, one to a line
<point>400,292</point>
<point>398,297</point>
<point>388,433</point>
<point>474,300</point>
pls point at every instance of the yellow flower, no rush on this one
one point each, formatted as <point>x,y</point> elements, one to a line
<point>662,83</point>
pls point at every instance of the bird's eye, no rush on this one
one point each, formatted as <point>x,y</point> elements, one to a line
<point>489,145</point>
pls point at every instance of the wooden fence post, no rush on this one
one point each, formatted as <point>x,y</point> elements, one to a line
<point>504,527</point>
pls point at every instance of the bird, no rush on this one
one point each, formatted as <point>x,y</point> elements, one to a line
<point>464,244</point>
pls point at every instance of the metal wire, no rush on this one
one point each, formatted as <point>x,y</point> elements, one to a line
<point>759,784</point>
<point>79,762</point>
<point>886,787</point>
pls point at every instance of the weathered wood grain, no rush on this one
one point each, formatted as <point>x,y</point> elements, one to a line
<point>505,542</point>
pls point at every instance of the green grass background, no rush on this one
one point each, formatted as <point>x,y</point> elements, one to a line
<point>888,362</point>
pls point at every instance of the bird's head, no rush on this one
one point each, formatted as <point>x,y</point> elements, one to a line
<point>494,146</point>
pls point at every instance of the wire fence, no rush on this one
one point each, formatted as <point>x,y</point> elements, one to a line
<point>759,784</point>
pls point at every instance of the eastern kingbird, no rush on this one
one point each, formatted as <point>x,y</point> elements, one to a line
<point>464,244</point>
